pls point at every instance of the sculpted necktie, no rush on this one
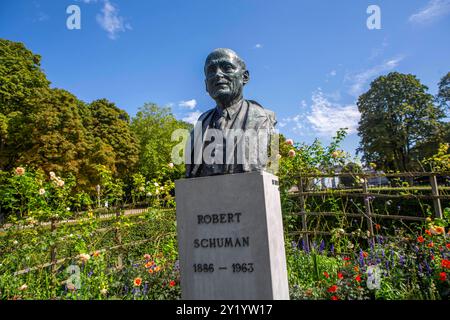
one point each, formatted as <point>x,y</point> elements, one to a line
<point>221,122</point>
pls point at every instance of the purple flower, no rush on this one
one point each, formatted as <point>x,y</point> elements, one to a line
<point>402,261</point>
<point>332,249</point>
<point>144,291</point>
<point>322,246</point>
<point>361,258</point>
<point>427,267</point>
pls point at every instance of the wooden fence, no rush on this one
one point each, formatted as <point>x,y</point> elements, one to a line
<point>114,213</point>
<point>367,193</point>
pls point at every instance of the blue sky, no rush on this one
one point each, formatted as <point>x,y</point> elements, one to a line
<point>308,60</point>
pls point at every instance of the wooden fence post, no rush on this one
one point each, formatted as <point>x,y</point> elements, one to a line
<point>367,207</point>
<point>119,240</point>
<point>53,247</point>
<point>305,236</point>
<point>436,201</point>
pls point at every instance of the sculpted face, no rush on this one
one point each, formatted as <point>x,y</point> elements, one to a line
<point>226,76</point>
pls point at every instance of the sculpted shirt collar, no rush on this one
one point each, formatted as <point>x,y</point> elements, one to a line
<point>231,110</point>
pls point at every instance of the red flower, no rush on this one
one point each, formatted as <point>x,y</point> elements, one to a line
<point>340,275</point>
<point>346,258</point>
<point>448,245</point>
<point>445,263</point>
<point>428,232</point>
<point>377,227</point>
<point>431,244</point>
<point>420,239</point>
<point>358,278</point>
<point>334,298</point>
<point>172,283</point>
<point>365,254</point>
<point>326,274</point>
<point>332,289</point>
<point>442,276</point>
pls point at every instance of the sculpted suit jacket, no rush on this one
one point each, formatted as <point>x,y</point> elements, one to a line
<point>250,115</point>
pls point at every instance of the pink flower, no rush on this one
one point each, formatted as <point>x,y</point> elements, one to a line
<point>290,142</point>
<point>20,171</point>
<point>291,153</point>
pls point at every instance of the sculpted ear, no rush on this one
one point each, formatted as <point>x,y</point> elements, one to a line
<point>246,77</point>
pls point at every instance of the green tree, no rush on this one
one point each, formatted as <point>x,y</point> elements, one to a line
<point>399,123</point>
<point>59,141</point>
<point>22,86</point>
<point>443,96</point>
<point>154,126</point>
<point>115,145</point>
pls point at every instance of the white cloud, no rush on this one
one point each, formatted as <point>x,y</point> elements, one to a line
<point>360,80</point>
<point>190,104</point>
<point>433,10</point>
<point>326,118</point>
<point>192,117</point>
<point>258,46</point>
<point>110,20</point>
<point>332,73</point>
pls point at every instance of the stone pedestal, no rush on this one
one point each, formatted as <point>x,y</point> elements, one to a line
<point>230,237</point>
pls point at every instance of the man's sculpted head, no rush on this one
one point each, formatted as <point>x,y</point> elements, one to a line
<point>226,75</point>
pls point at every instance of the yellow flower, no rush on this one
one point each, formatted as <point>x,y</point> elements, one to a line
<point>137,282</point>
<point>437,230</point>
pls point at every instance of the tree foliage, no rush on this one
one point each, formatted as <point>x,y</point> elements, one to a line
<point>443,96</point>
<point>153,126</point>
<point>52,130</point>
<point>399,123</point>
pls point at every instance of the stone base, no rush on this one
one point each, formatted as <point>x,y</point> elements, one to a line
<point>230,237</point>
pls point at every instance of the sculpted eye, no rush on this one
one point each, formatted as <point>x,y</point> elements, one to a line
<point>228,67</point>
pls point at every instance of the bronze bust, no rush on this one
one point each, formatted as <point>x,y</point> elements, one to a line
<point>234,136</point>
